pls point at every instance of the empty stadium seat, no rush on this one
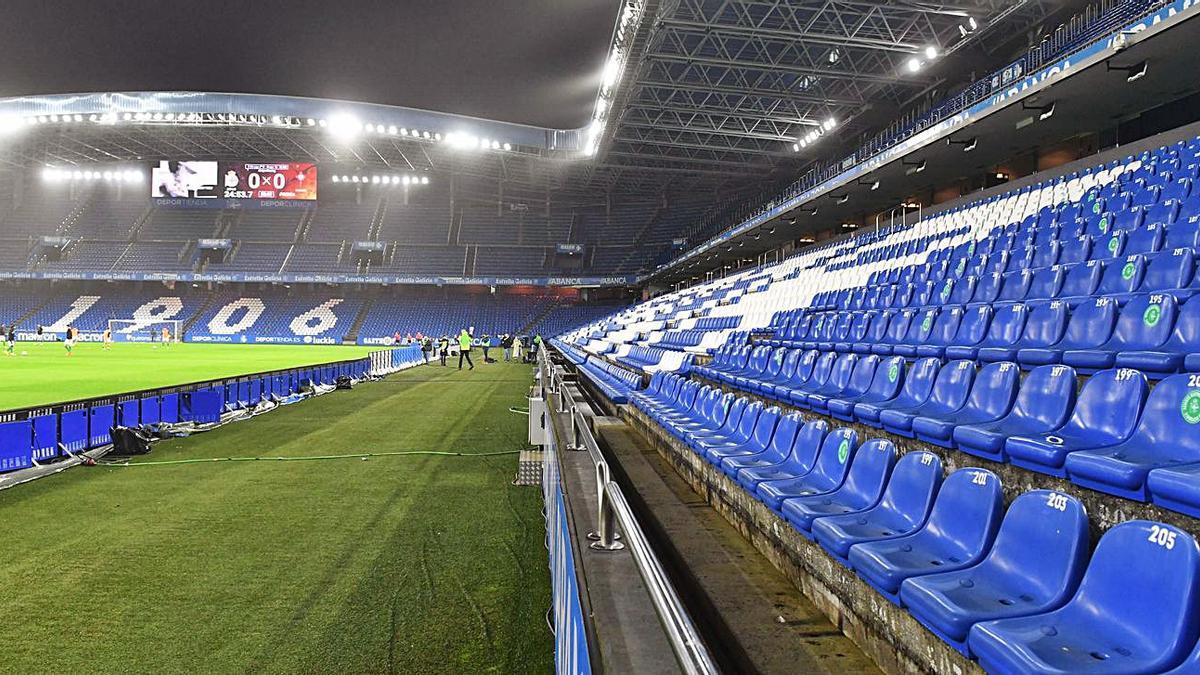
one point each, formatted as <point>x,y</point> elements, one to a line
<point>1090,326</point>
<point>918,383</point>
<point>800,460</point>
<point>1045,399</point>
<point>1166,436</point>
<point>1144,325</point>
<point>1180,351</point>
<point>950,390</point>
<point>1034,566</point>
<point>1004,332</point>
<point>775,453</point>
<point>959,531</point>
<point>1135,612</point>
<point>991,398</point>
<point>833,460</point>
<point>864,484</point>
<point>903,508</point>
<point>886,381</point>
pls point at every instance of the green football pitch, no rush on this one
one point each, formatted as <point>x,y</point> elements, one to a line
<point>393,564</point>
<point>41,372</point>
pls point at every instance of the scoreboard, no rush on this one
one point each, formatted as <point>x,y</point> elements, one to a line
<point>257,181</point>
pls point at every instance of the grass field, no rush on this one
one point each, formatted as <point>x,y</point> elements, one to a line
<point>416,564</point>
<point>44,374</point>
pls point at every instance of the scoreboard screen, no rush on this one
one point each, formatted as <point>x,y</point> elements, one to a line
<point>234,180</point>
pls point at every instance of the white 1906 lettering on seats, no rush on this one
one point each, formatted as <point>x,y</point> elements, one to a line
<point>158,309</point>
<point>219,324</point>
<point>322,313</point>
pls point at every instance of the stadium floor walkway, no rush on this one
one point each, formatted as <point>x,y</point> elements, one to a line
<point>393,564</point>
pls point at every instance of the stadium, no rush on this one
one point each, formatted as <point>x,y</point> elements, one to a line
<point>624,336</point>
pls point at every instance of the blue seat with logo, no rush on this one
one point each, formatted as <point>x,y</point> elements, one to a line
<point>905,505</point>
<point>865,481</point>
<point>1171,356</point>
<point>1090,326</point>
<point>945,327</point>
<point>886,382</point>
<point>1034,566</point>
<point>1106,413</point>
<point>833,460</point>
<point>776,452</point>
<point>1144,325</point>
<point>800,460</point>
<point>918,333</point>
<point>1166,436</point>
<point>958,533</point>
<point>1135,612</point>
<point>950,390</point>
<point>1008,324</point>
<point>1043,404</point>
<point>992,396</point>
<point>794,378</point>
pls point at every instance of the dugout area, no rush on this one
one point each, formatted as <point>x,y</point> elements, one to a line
<point>415,563</point>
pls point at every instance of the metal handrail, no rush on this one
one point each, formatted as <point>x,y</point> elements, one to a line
<point>612,507</point>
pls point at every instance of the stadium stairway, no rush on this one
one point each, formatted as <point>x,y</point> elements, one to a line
<point>352,332</point>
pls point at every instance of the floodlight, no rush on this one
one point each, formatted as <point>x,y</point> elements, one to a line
<point>972,23</point>
<point>345,126</point>
<point>335,179</point>
<point>795,147</point>
<point>425,134</point>
<point>912,167</point>
<point>424,180</point>
<point>508,146</point>
<point>108,175</point>
<point>406,180</point>
<point>931,52</point>
<point>913,64</point>
<point>841,199</point>
<point>310,122</point>
<point>829,124</point>
<point>612,69</point>
<point>10,124</point>
<point>873,183</point>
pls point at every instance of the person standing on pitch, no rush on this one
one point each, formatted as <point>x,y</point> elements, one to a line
<point>443,348</point>
<point>464,349</point>
<point>506,342</point>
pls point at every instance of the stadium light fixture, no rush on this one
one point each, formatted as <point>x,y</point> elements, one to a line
<point>912,167</point>
<point>913,65</point>
<point>841,199</point>
<point>345,127</point>
<point>10,124</point>
<point>967,144</point>
<point>873,183</point>
<point>931,52</point>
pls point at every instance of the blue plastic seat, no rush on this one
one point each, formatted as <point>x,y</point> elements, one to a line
<point>1075,250</point>
<point>1090,326</point>
<point>777,375</point>
<point>795,378</point>
<point>1111,246</point>
<point>1185,231</point>
<point>1081,282</point>
<point>950,391</point>
<point>839,379</point>
<point>1046,283</point>
<point>1145,240</point>
<point>1045,401</point>
<point>1170,272</point>
<point>862,371</point>
<point>865,481</point>
<point>1122,275</point>
<point>1106,413</point>
<point>800,459</point>
<point>903,508</point>
<point>833,460</point>
<point>776,452</point>
<point>988,288</point>
<point>770,373</point>
<point>971,331</point>
<point>875,332</point>
<point>1035,566</point>
<point>945,327</point>
<point>1166,436</point>
<point>992,396</point>
<point>897,328</point>
<point>887,378</point>
<point>756,443</point>
<point>796,392</point>
<point>918,333</point>
<point>958,533</point>
<point>918,383</point>
<point>1014,286</point>
<point>1004,333</point>
<point>732,417</point>
<point>1135,612</point>
<point>1046,254</point>
<point>730,435</point>
<point>1144,325</point>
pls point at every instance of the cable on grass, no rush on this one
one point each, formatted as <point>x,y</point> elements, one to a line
<point>305,458</point>
<point>519,411</point>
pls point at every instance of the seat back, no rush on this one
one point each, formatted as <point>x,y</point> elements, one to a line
<point>839,375</point>
<point>967,510</point>
<point>1185,337</point>
<point>784,437</point>
<point>877,328</point>
<point>787,369</point>
<point>869,472</point>
<point>764,428</point>
<point>733,416</point>
<point>1014,286</point>
<point>1047,396</point>
<point>775,363</point>
<point>1046,283</point>
<point>837,452</point>
<point>994,390</point>
<point>1144,240</point>
<point>953,385</point>
<point>1145,323</point>
<point>804,368</point>
<point>862,375</point>
<point>1107,247</point>
<point>859,327</point>
<point>1143,578</point>
<point>808,443</point>
<point>1075,250</point>
<point>1046,254</point>
<point>1122,275</point>
<point>1108,406</point>
<point>918,385</point>
<point>887,379</point>
<point>913,486</point>
<point>921,327</point>
<point>974,325</point>
<point>1043,540</point>
<point>1169,270</point>
<point>898,326</point>
<point>1170,419</point>
<point>988,288</point>
<point>1091,324</point>
<point>961,291</point>
<point>1081,280</point>
<point>1008,322</point>
<point>945,326</point>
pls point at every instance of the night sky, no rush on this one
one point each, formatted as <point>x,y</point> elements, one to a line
<point>529,61</point>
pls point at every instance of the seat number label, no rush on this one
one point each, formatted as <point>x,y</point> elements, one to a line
<point>1162,536</point>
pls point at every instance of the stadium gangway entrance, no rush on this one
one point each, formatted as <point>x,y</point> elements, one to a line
<point>553,407</point>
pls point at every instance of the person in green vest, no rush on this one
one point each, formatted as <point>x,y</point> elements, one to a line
<point>464,349</point>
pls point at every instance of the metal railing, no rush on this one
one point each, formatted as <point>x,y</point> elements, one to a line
<point>613,512</point>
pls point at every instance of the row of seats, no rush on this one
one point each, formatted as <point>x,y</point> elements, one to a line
<point>613,381</point>
<point>1114,434</point>
<point>1015,588</point>
<point>1154,333</point>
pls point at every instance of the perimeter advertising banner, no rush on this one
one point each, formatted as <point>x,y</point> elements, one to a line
<point>232,184</point>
